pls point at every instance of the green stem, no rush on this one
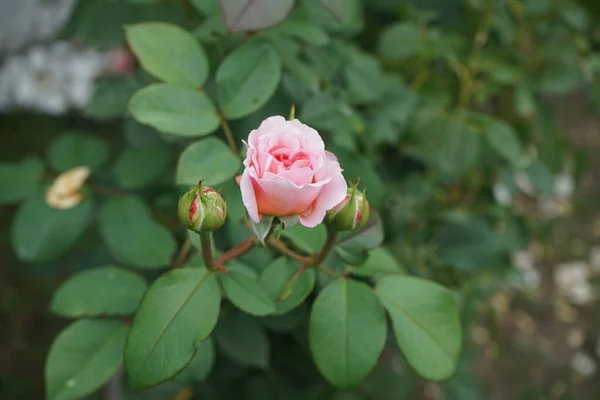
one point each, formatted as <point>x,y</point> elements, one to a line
<point>209,263</point>
<point>319,257</point>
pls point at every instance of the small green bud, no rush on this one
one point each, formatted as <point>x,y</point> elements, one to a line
<point>352,212</point>
<point>202,209</point>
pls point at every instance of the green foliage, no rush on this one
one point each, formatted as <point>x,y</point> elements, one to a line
<point>432,115</point>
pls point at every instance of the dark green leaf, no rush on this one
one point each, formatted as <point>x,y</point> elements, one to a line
<point>140,166</point>
<point>243,340</point>
<point>347,332</point>
<point>247,78</point>
<point>176,314</point>
<point>111,96</point>
<point>209,159</point>
<point>40,233</point>
<point>502,138</point>
<point>407,33</point>
<point>379,262</point>
<point>101,291</point>
<point>309,240</point>
<point>18,181</point>
<point>169,53</point>
<point>175,109</point>
<point>76,149</point>
<point>83,357</point>
<point>426,323</point>
<point>132,236</point>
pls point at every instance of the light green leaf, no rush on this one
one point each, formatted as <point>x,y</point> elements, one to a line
<point>100,291</point>
<point>379,262</point>
<point>202,363</point>
<point>365,79</point>
<point>140,166</point>
<point>76,149</point>
<point>246,293</point>
<point>40,233</point>
<point>307,32</point>
<point>176,314</point>
<point>209,159</point>
<point>132,236</point>
<point>275,277</point>
<point>169,53</point>
<point>247,78</point>
<point>426,323</point>
<point>502,138</point>
<point>18,181</point>
<point>309,240</point>
<point>243,340</point>
<point>83,357</point>
<point>347,331</point>
<point>175,109</point>
<point>253,15</point>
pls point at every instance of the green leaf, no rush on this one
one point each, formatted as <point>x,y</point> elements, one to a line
<point>111,96</point>
<point>247,78</point>
<point>174,109</point>
<point>385,383</point>
<point>83,357</point>
<point>176,314</point>
<point>243,340</point>
<point>347,332</point>
<point>467,245</point>
<point>209,159</point>
<point>541,178</point>
<point>253,15</point>
<point>18,181</point>
<point>40,233</point>
<point>202,363</point>
<point>169,53</point>
<point>353,247</point>
<point>407,33</point>
<point>379,262</point>
<point>365,79</point>
<point>76,149</point>
<point>309,240</point>
<point>140,166</point>
<point>502,138</point>
<point>307,32</point>
<point>426,323</point>
<point>101,291</point>
<point>275,277</point>
<point>132,236</point>
<point>247,294</point>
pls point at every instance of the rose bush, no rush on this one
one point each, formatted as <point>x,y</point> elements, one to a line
<point>288,173</point>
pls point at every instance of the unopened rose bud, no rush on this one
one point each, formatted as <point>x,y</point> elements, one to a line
<point>202,209</point>
<point>352,213</point>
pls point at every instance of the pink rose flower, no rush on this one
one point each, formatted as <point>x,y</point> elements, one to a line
<point>289,174</point>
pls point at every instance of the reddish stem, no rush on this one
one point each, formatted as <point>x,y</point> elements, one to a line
<point>237,251</point>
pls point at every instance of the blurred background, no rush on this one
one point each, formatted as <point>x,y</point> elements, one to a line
<point>532,321</point>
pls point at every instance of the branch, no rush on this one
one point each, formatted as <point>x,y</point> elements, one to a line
<point>184,252</point>
<point>229,134</point>
<point>237,251</point>
<point>277,245</point>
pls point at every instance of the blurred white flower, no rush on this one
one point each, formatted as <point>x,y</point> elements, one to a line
<point>564,186</point>
<point>572,281</point>
<point>583,364</point>
<point>502,194</point>
<point>51,79</point>
<point>523,259</point>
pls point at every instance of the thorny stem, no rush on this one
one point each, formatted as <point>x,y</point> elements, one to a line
<point>237,251</point>
<point>228,134</point>
<point>184,252</point>
<point>207,254</point>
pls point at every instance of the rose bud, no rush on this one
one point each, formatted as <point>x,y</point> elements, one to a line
<point>289,174</point>
<point>352,212</point>
<point>202,209</point>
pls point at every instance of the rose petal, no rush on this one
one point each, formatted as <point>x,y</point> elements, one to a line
<point>281,197</point>
<point>248,195</point>
<point>331,194</point>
